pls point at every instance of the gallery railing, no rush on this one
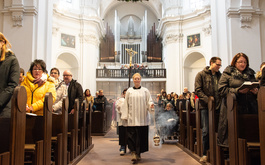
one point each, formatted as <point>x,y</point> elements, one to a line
<point>124,73</point>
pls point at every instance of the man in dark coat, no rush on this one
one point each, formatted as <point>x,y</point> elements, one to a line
<point>206,84</point>
<point>9,71</point>
<point>100,101</point>
<point>74,90</point>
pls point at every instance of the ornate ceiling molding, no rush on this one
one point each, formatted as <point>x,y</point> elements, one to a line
<point>171,38</point>
<point>90,39</point>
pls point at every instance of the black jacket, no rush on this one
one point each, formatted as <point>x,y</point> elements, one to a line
<point>75,91</point>
<point>9,72</point>
<point>204,87</point>
<point>99,102</point>
<point>230,82</point>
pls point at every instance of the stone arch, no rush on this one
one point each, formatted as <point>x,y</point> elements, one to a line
<point>67,61</point>
<point>193,63</point>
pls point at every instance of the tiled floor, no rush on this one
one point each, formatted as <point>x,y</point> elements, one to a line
<point>106,151</point>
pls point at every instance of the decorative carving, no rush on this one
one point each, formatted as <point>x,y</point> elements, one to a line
<point>17,18</point>
<point>90,38</point>
<point>55,30</point>
<point>245,20</point>
<point>207,30</point>
<point>171,38</point>
<point>245,14</point>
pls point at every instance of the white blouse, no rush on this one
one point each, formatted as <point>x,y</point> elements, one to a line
<point>136,107</point>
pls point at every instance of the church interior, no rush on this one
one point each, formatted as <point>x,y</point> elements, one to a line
<point>104,42</point>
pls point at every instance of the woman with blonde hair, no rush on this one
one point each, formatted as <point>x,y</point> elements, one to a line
<point>135,109</point>
<point>9,71</point>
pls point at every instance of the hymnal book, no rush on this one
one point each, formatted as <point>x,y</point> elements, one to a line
<point>249,85</point>
<point>31,114</point>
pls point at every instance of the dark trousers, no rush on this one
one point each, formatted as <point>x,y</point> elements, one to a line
<point>205,130</point>
<point>137,139</point>
<point>122,135</point>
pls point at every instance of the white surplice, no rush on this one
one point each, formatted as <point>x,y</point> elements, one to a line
<point>136,107</point>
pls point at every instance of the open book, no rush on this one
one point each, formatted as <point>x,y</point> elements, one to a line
<point>249,85</point>
<point>31,114</point>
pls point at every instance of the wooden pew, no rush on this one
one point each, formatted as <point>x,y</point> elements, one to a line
<point>101,121</point>
<point>59,133</point>
<point>243,132</point>
<point>38,134</point>
<point>73,146</point>
<point>82,127</point>
<point>261,104</point>
<point>12,139</point>
<point>191,126</point>
<point>213,125</point>
<point>182,125</point>
<point>88,126</point>
<point>198,129</point>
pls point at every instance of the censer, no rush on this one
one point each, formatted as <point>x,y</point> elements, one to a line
<point>156,138</point>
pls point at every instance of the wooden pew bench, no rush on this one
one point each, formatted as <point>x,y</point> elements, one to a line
<point>59,134</point>
<point>243,134</point>
<point>261,104</point>
<point>38,135</point>
<point>12,139</point>
<point>73,146</point>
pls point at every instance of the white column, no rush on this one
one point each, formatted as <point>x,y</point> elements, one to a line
<point>173,63</point>
<point>28,27</point>
<point>90,56</point>
<point>236,28</point>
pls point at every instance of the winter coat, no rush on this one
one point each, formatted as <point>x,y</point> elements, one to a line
<point>9,71</point>
<point>99,101</point>
<point>89,99</point>
<point>75,91</point>
<point>36,94</point>
<point>204,87</point>
<point>61,91</point>
<point>230,82</point>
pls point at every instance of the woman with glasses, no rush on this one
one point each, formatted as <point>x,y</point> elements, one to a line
<point>37,84</point>
<point>61,90</point>
<point>232,78</point>
<point>9,71</point>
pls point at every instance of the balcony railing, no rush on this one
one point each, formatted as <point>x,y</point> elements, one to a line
<point>124,73</point>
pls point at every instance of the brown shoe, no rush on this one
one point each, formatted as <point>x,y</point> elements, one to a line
<point>138,157</point>
<point>134,157</point>
<point>203,159</point>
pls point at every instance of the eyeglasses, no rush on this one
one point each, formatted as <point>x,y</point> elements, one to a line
<point>54,73</point>
<point>241,62</point>
<point>66,75</point>
<point>219,65</point>
<point>36,69</point>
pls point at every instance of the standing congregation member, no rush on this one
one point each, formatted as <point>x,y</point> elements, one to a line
<point>100,101</point>
<point>61,90</point>
<point>37,84</point>
<point>74,90</point>
<point>122,129</point>
<point>232,78</point>
<point>89,98</point>
<point>21,76</point>
<point>206,85</point>
<point>9,72</point>
<point>137,103</point>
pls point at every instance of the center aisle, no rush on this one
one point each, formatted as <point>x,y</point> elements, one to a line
<point>106,151</point>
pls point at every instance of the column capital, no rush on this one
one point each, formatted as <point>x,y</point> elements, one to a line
<point>245,14</point>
